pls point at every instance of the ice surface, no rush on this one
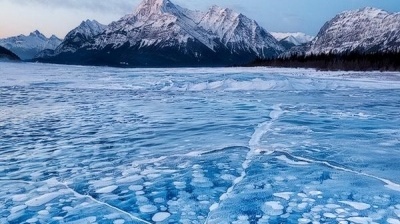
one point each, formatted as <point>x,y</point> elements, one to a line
<point>221,145</point>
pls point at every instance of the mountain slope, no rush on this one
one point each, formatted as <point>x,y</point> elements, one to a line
<point>6,54</point>
<point>160,33</point>
<point>27,47</point>
<point>363,30</point>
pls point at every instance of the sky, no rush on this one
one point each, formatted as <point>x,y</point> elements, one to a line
<point>60,16</point>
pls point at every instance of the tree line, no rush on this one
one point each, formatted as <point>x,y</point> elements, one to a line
<point>381,61</point>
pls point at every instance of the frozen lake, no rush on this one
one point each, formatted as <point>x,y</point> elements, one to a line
<point>217,145</point>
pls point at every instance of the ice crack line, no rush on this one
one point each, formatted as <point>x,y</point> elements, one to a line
<point>79,195</point>
<point>389,184</point>
<point>255,149</point>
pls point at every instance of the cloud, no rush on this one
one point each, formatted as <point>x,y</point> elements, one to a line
<point>109,6</point>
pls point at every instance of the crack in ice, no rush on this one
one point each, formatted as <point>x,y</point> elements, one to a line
<point>255,149</point>
<point>389,184</point>
<point>77,194</point>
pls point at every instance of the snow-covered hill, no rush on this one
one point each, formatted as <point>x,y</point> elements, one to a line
<point>363,30</point>
<point>160,33</point>
<point>27,47</point>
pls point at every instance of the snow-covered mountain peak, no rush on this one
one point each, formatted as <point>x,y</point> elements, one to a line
<point>152,7</point>
<point>365,30</point>
<point>79,36</point>
<point>220,10</point>
<point>363,13</point>
<point>296,38</point>
<point>372,11</point>
<point>221,20</point>
<point>88,28</point>
<point>38,34</point>
<point>238,31</point>
<point>92,25</point>
<point>155,22</point>
<point>53,37</point>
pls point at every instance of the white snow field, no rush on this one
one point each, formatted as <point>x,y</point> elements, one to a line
<point>198,145</point>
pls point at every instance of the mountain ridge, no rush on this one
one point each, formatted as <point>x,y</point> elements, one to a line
<point>160,33</point>
<point>363,30</point>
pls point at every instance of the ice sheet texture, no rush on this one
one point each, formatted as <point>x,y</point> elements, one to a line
<point>229,145</point>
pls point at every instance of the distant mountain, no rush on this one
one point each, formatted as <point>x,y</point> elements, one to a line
<point>362,40</point>
<point>27,47</point>
<point>6,54</point>
<point>295,38</point>
<point>364,30</point>
<point>160,33</point>
<point>79,37</point>
<point>292,40</point>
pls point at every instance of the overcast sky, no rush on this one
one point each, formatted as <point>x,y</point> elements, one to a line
<point>60,16</point>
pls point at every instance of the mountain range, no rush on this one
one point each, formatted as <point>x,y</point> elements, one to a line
<point>161,34</point>
<point>27,47</point>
